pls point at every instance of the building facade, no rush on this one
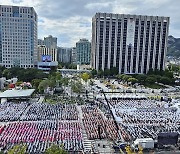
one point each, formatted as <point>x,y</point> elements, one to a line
<point>47,58</point>
<point>64,54</point>
<point>83,49</point>
<point>132,43</point>
<point>74,56</point>
<point>43,51</point>
<point>18,36</point>
<point>50,42</point>
<point>40,42</point>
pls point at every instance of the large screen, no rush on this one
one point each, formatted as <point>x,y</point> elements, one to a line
<point>46,58</point>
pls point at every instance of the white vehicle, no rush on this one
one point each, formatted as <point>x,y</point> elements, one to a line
<point>145,143</point>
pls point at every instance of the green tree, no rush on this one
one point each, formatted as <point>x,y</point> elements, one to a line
<point>168,74</point>
<point>150,80</point>
<point>2,68</point>
<point>64,81</point>
<point>141,78</point>
<point>85,76</point>
<point>6,73</point>
<point>58,76</point>
<point>107,72</point>
<point>114,71</point>
<point>94,72</point>
<point>35,83</point>
<point>120,76</point>
<point>43,85</point>
<point>76,86</point>
<point>100,73</point>
<point>72,66</point>
<point>18,149</point>
<point>55,149</point>
<point>165,80</point>
<point>60,66</point>
<point>132,80</point>
<point>126,77</point>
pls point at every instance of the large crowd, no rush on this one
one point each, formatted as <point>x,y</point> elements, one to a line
<point>44,111</point>
<point>94,120</point>
<point>38,135</point>
<point>134,103</point>
<point>11,111</point>
<point>145,118</point>
<point>39,125</point>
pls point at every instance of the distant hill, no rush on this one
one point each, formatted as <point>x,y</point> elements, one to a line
<point>173,47</point>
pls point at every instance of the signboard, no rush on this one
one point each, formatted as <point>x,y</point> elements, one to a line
<point>46,58</point>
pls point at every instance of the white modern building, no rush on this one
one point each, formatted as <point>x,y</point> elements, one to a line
<point>132,43</point>
<point>18,36</point>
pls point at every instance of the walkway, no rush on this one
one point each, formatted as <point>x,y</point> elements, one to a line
<point>86,142</point>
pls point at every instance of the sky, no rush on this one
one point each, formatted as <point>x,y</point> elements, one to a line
<point>70,20</point>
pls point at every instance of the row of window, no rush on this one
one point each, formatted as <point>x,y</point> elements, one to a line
<point>21,10</point>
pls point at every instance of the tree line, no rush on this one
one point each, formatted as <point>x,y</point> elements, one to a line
<point>152,77</point>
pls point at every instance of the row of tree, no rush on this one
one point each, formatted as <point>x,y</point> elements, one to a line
<point>67,65</point>
<point>164,77</point>
<point>21,149</point>
<point>26,75</point>
<point>153,76</point>
<point>107,72</point>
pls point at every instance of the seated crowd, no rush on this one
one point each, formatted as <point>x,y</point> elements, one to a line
<point>43,111</point>
<point>38,135</point>
<point>146,120</point>
<point>10,111</point>
<point>134,103</point>
<point>93,120</point>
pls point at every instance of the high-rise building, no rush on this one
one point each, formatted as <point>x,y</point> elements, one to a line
<point>74,56</point>
<point>64,54</point>
<point>132,43</point>
<point>47,58</point>
<point>50,42</point>
<point>83,49</point>
<point>41,42</point>
<point>44,52</point>
<point>18,36</point>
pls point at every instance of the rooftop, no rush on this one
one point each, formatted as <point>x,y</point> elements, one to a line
<point>17,93</point>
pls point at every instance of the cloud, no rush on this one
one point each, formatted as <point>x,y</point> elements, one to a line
<point>70,20</point>
<point>68,31</point>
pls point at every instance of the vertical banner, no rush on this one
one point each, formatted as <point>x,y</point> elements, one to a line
<point>130,32</point>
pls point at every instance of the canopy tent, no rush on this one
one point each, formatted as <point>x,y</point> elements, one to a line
<point>17,93</point>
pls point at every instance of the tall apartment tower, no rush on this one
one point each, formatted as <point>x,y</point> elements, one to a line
<point>50,42</point>
<point>83,49</point>
<point>132,43</point>
<point>18,36</point>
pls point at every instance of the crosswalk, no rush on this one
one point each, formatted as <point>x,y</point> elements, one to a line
<point>87,143</point>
